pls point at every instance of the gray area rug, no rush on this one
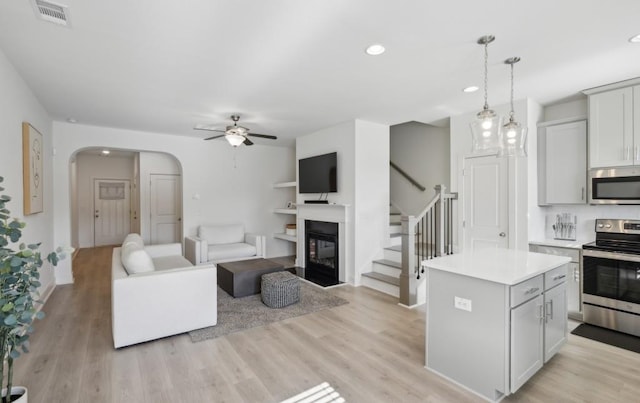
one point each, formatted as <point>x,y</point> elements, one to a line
<point>236,314</point>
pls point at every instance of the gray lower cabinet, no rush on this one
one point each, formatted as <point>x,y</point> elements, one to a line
<point>555,326</point>
<point>539,325</point>
<point>574,275</point>
<point>527,341</point>
<point>490,337</point>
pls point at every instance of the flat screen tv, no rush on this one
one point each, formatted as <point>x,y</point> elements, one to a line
<point>318,174</point>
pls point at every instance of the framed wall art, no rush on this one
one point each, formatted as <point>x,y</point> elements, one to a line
<point>32,175</point>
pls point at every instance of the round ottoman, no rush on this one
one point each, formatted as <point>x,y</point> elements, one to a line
<point>280,289</point>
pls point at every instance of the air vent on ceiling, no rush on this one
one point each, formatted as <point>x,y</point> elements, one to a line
<point>52,12</point>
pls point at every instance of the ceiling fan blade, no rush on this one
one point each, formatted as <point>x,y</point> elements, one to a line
<point>208,130</point>
<point>264,136</point>
<point>248,142</point>
<point>215,137</point>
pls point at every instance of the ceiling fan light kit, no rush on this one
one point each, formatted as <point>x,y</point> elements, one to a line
<point>236,135</point>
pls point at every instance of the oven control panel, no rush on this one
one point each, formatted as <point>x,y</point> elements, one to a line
<point>618,226</point>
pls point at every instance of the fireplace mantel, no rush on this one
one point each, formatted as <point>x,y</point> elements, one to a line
<point>337,213</point>
<point>324,212</point>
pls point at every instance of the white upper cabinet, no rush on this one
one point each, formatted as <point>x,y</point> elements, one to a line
<point>562,163</point>
<point>613,140</point>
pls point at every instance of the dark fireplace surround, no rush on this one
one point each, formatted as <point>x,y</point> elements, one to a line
<point>321,252</point>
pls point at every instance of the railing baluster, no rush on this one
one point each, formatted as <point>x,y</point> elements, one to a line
<point>426,236</point>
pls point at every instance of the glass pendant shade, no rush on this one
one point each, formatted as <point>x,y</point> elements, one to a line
<point>235,139</point>
<point>513,137</point>
<point>485,131</point>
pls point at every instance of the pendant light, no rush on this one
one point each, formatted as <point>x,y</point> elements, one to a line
<point>513,135</point>
<point>485,128</point>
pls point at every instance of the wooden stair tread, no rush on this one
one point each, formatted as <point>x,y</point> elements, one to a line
<point>383,277</point>
<point>389,263</point>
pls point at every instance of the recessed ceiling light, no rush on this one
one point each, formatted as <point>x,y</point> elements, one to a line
<point>106,152</point>
<point>72,120</point>
<point>375,50</point>
<point>635,39</point>
<point>471,88</point>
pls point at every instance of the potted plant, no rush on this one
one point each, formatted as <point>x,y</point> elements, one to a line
<point>19,282</point>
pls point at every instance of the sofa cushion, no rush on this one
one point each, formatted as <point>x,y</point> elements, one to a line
<point>135,238</point>
<point>170,262</point>
<point>233,250</point>
<point>135,259</point>
<point>222,234</point>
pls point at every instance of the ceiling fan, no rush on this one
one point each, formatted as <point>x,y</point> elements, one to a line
<point>235,134</point>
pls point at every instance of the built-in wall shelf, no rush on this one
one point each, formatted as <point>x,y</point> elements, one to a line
<point>284,185</point>
<point>290,238</point>
<point>285,211</point>
<point>288,211</point>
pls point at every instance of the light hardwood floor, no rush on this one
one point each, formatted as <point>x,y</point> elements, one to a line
<point>370,350</point>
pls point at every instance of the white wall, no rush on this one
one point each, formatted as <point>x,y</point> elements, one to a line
<point>371,213</point>
<point>91,167</point>
<point>220,184</point>
<point>363,176</point>
<point>18,104</point>
<point>423,152</point>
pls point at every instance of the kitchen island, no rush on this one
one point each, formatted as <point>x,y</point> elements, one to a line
<point>494,317</point>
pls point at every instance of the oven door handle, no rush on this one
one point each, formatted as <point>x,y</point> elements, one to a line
<point>611,255</point>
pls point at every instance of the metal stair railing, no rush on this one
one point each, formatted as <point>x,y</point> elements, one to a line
<point>425,236</point>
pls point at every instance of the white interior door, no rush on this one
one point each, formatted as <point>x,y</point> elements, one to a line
<point>486,200</point>
<point>112,207</point>
<point>165,209</point>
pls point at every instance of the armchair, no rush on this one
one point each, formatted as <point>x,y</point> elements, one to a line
<point>223,243</point>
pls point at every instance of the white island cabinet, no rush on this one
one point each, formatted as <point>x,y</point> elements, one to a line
<point>494,317</point>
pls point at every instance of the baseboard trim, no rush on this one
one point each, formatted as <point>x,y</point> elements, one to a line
<point>410,306</point>
<point>45,295</point>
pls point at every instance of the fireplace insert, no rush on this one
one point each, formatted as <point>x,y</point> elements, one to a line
<point>322,263</point>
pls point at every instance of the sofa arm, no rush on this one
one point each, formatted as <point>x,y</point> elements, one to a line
<point>142,309</point>
<point>259,241</point>
<point>195,250</point>
<point>167,249</point>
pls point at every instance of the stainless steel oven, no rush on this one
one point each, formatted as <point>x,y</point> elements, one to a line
<point>611,282</point>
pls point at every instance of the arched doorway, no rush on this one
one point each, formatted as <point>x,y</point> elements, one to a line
<point>116,191</point>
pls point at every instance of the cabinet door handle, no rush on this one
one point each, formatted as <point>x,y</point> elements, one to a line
<point>559,277</point>
<point>531,290</point>
<point>627,152</point>
<point>636,149</point>
<point>582,194</point>
<point>540,312</point>
<point>549,310</point>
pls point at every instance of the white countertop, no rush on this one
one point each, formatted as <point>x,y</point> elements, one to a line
<point>504,266</point>
<point>560,243</point>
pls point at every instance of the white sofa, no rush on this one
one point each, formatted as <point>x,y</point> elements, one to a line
<point>223,243</point>
<point>156,292</point>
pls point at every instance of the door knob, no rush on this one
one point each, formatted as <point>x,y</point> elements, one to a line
<point>502,234</point>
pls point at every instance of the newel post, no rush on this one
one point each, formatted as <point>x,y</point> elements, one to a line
<point>408,280</point>
<point>440,219</point>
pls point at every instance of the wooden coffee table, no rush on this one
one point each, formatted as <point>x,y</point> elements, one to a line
<point>242,278</point>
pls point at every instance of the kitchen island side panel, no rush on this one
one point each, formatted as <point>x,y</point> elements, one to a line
<point>468,347</point>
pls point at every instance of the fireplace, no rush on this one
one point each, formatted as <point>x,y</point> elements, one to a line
<point>321,252</point>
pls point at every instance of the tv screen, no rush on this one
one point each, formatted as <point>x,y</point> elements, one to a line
<point>318,174</point>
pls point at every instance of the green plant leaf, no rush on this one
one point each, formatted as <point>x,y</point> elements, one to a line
<point>7,307</point>
<point>40,315</point>
<point>14,354</point>
<point>10,320</point>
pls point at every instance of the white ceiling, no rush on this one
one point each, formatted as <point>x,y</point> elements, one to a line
<point>290,67</point>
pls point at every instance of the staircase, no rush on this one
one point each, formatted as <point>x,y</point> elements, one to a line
<point>416,238</point>
<point>385,273</point>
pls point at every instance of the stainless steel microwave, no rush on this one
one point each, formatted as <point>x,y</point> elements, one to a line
<point>614,185</point>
